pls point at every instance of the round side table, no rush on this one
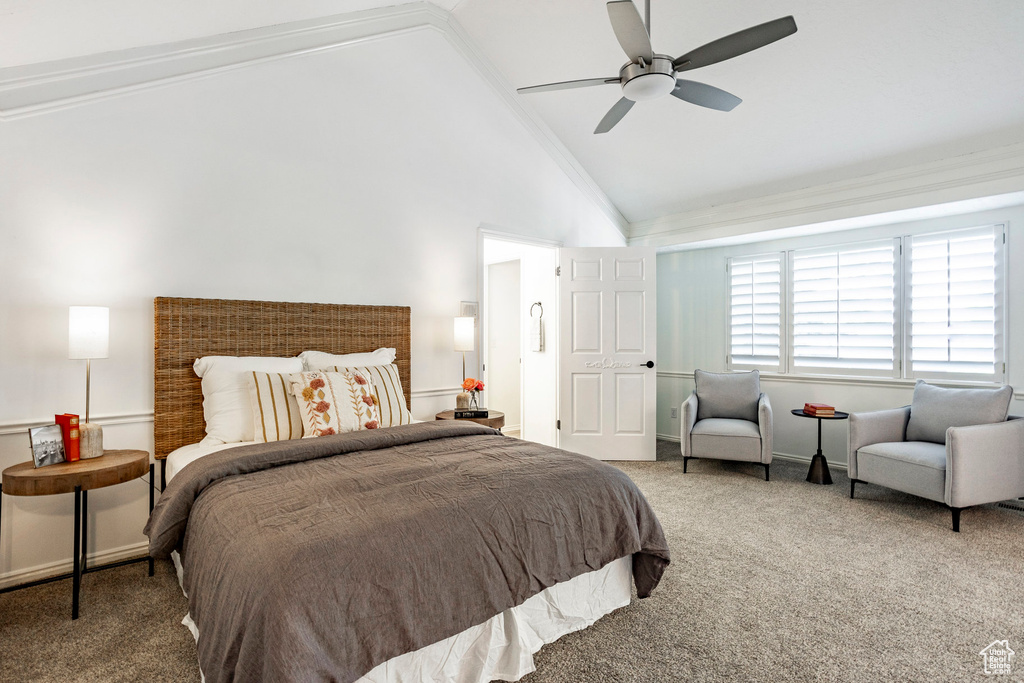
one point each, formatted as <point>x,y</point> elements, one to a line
<point>113,467</point>
<point>819,474</point>
<point>495,418</point>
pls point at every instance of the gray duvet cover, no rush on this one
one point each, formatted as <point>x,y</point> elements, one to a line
<point>317,559</point>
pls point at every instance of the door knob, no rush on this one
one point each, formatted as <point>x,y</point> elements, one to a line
<point>649,363</point>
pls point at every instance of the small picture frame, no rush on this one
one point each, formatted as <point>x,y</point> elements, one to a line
<point>47,445</point>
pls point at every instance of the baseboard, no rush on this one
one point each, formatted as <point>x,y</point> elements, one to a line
<point>806,459</point>
<point>45,571</point>
<point>775,454</point>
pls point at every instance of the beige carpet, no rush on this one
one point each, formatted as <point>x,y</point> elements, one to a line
<point>772,581</point>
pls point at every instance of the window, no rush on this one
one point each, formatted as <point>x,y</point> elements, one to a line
<point>844,309</point>
<point>927,306</point>
<point>755,314</point>
<point>955,309</point>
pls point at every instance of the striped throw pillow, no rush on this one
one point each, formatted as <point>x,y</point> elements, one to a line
<point>275,410</point>
<point>387,388</point>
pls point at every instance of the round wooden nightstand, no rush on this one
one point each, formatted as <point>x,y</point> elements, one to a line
<point>495,418</point>
<point>79,477</point>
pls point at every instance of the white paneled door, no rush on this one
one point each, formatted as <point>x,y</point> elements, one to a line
<point>607,348</point>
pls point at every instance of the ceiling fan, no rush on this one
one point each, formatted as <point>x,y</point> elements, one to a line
<point>647,75</point>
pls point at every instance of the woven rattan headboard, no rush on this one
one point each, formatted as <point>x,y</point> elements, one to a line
<point>189,328</point>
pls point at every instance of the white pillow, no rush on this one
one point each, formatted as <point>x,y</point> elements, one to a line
<point>226,406</point>
<point>318,360</point>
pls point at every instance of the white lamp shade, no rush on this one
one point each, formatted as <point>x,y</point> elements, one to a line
<point>465,333</point>
<point>88,332</point>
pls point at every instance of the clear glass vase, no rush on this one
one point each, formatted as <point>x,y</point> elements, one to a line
<point>474,404</point>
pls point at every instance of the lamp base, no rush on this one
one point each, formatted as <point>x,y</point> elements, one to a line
<point>91,444</point>
<point>462,400</point>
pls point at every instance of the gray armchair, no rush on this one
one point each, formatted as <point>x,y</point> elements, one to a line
<point>954,446</point>
<point>727,418</point>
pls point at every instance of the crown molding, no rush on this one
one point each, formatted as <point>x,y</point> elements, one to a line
<point>61,84</point>
<point>53,86</point>
<point>971,176</point>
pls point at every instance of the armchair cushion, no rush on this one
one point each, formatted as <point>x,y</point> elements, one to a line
<point>915,467</point>
<point>936,409</point>
<point>728,395</point>
<point>726,439</point>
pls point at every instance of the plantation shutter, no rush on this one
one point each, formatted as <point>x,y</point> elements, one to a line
<point>844,308</point>
<point>755,311</point>
<point>955,304</point>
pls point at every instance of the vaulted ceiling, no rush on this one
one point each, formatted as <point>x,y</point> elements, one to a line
<point>860,88</point>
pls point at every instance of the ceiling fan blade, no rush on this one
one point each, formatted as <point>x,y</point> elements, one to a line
<point>736,44</point>
<point>630,31</point>
<point>704,95</point>
<point>614,115</point>
<point>566,85</point>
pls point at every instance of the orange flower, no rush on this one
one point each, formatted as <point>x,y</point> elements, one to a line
<point>322,407</point>
<point>317,383</point>
<point>326,432</point>
<point>368,400</point>
<point>359,379</point>
<point>307,393</point>
<point>469,384</point>
<point>372,424</point>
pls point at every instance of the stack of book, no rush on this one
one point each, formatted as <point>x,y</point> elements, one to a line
<point>470,413</point>
<point>819,410</point>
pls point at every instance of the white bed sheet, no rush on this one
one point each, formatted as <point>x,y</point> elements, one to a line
<point>502,647</point>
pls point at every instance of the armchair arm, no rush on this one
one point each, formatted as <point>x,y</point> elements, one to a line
<point>764,425</point>
<point>881,426</point>
<point>687,419</point>
<point>984,463</point>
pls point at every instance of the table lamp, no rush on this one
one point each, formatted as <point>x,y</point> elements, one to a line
<point>88,338</point>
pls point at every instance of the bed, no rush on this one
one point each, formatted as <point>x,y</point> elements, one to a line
<point>438,551</point>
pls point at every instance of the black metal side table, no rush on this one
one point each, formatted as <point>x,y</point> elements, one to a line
<point>819,474</point>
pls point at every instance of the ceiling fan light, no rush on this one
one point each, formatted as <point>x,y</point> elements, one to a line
<point>648,86</point>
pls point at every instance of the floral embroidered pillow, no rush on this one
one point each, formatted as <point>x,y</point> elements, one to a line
<point>335,402</point>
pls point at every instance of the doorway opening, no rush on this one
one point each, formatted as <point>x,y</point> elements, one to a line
<point>520,374</point>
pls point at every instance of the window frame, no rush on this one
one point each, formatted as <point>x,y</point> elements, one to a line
<point>1000,312</point>
<point>838,370</point>
<point>730,362</point>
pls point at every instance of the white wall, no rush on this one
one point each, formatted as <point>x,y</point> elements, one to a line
<point>692,333</point>
<point>503,341</point>
<point>311,178</point>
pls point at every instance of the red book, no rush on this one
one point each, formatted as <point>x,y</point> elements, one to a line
<point>818,408</point>
<point>72,437</point>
